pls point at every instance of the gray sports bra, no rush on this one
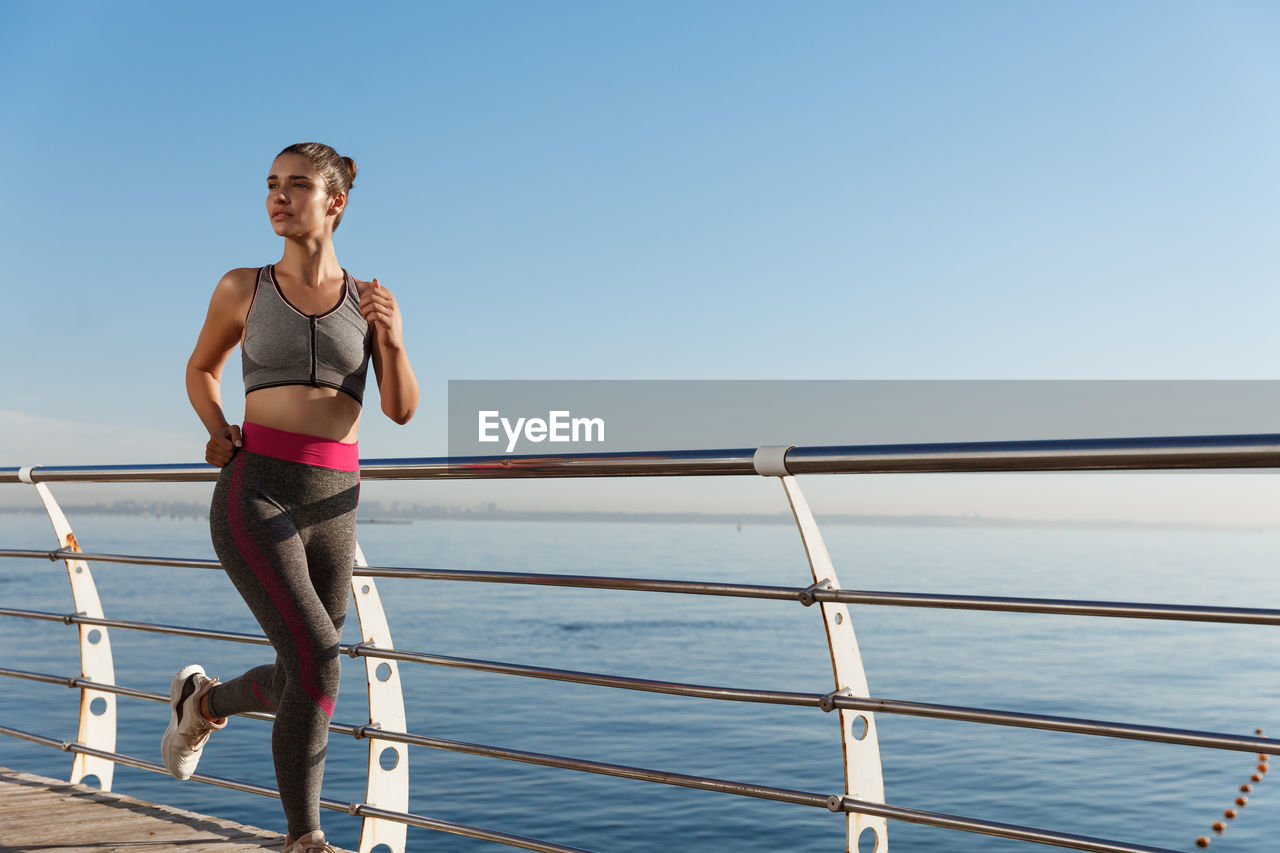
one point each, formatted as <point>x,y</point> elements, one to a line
<point>283,346</point>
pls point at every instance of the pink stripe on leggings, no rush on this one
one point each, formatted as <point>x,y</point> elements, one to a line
<point>253,685</point>
<point>279,597</point>
<point>300,447</point>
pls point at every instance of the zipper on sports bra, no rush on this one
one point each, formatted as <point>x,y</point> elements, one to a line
<point>312,321</point>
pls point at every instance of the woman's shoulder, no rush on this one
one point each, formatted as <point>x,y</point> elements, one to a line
<point>241,277</point>
<point>239,283</point>
<point>234,292</point>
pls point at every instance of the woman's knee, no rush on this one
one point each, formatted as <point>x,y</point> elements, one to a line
<point>316,677</point>
<point>330,674</point>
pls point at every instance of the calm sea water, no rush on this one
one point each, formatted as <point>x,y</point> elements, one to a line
<point>1196,676</point>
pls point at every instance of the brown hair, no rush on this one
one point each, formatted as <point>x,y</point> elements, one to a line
<point>339,172</point>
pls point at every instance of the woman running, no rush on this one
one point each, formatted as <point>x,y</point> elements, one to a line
<point>284,510</point>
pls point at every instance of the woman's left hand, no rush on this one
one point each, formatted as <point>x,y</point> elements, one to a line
<point>381,312</point>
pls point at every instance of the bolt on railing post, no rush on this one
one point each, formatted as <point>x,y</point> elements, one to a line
<point>862,771</point>
<point>96,729</point>
<point>385,787</point>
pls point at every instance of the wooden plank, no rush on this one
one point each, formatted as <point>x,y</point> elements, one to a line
<point>40,815</point>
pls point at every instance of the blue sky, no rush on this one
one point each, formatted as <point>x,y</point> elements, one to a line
<point>648,190</point>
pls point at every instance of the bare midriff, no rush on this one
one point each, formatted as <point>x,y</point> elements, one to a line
<point>326,412</point>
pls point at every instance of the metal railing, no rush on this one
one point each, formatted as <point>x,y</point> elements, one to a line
<point>384,810</point>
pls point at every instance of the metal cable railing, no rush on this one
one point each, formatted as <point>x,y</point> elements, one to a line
<point>850,697</point>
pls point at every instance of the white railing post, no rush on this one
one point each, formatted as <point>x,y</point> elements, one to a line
<point>97,709</point>
<point>387,782</point>
<point>862,770</point>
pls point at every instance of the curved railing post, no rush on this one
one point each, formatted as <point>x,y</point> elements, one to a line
<point>97,727</point>
<point>387,782</point>
<point>862,771</point>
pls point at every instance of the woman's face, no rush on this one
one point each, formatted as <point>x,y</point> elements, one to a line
<point>298,202</point>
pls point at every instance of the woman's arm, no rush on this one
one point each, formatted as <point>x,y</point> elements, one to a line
<point>223,326</point>
<point>397,386</point>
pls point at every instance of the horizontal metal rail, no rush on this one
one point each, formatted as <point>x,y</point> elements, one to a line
<point>834,803</point>
<point>1058,606</point>
<point>149,627</point>
<point>1105,454</point>
<point>805,595</point>
<point>353,809</point>
<point>532,578</point>
<point>1068,725</point>
<point>130,559</point>
<point>76,682</point>
<point>366,810</point>
<point>991,828</point>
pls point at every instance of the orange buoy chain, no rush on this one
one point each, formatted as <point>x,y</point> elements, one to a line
<point>1243,800</point>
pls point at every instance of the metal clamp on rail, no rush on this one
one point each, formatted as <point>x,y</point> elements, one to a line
<point>807,597</point>
<point>771,461</point>
<point>24,474</point>
<point>367,731</point>
<point>828,703</point>
<point>73,618</point>
<point>356,650</point>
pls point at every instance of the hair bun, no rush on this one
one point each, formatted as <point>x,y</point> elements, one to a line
<point>351,168</point>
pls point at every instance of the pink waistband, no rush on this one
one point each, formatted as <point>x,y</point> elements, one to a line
<point>299,447</point>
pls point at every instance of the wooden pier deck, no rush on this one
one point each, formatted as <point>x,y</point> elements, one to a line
<point>39,815</point>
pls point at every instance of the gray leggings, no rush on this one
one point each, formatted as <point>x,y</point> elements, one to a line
<point>285,534</point>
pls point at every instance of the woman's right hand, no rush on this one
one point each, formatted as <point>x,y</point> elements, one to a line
<point>223,328</point>
<point>222,445</point>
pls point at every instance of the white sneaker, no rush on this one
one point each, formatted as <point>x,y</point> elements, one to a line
<point>188,729</point>
<point>312,842</point>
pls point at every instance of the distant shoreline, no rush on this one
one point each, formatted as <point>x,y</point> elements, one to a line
<point>374,512</point>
